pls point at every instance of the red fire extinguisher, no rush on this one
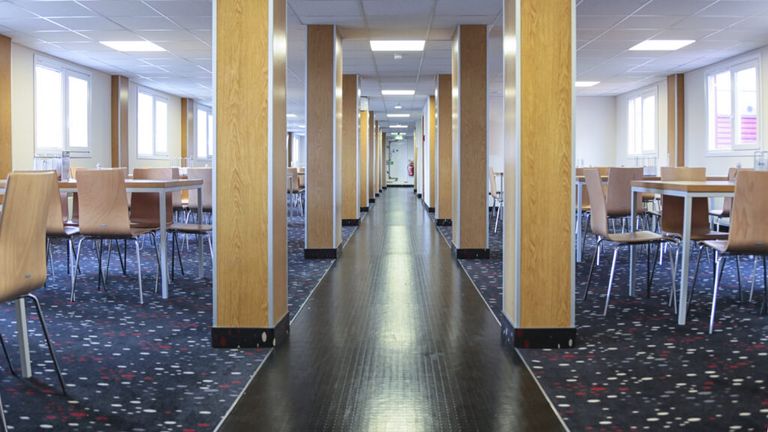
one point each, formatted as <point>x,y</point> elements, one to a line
<point>410,169</point>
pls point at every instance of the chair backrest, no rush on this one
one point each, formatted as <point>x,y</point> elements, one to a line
<point>292,179</point>
<point>301,176</point>
<point>206,174</point>
<point>620,190</point>
<point>145,206</point>
<point>672,207</point>
<point>103,202</point>
<point>492,181</point>
<point>22,233</point>
<point>748,231</point>
<point>728,201</point>
<point>57,210</point>
<point>176,196</point>
<point>599,217</point>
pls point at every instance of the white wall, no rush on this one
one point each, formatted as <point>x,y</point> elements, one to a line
<point>174,133</point>
<point>595,130</point>
<point>496,132</point>
<point>23,114</point>
<point>401,153</point>
<point>696,145</point>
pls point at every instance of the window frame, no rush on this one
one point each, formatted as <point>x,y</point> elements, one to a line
<point>66,70</point>
<point>642,95</point>
<point>156,97</point>
<point>209,135</point>
<point>733,68</point>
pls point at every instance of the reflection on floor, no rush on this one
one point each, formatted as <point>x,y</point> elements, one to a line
<point>130,367</point>
<point>635,368</point>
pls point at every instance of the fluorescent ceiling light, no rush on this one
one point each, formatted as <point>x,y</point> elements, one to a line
<point>291,115</point>
<point>133,46</point>
<point>301,126</point>
<point>398,126</point>
<point>397,45</point>
<point>587,83</point>
<point>398,115</point>
<point>398,107</point>
<point>661,45</point>
<point>398,92</point>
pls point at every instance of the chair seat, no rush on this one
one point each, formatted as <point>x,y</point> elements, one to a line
<point>136,232</point>
<point>69,231</point>
<point>702,236</point>
<point>718,245</point>
<point>145,224</point>
<point>73,222</point>
<point>191,228</point>
<point>637,237</point>
<point>719,213</point>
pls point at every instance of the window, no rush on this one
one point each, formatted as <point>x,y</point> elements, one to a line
<point>204,132</point>
<point>732,108</point>
<point>151,124</point>
<point>641,124</point>
<point>62,107</point>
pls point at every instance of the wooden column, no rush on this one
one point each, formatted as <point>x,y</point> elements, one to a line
<point>377,160</point>
<point>350,149</point>
<point>538,174</point>
<point>6,160</point>
<point>417,141</point>
<point>430,144</point>
<point>372,158</point>
<point>470,211</point>
<point>324,132</point>
<point>364,134</point>
<point>676,120</point>
<point>187,128</point>
<point>289,148</point>
<point>250,273</point>
<point>443,151</point>
<point>120,121</point>
<point>384,162</point>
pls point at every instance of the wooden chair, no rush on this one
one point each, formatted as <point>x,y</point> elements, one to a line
<point>748,234</point>
<point>22,245</point>
<point>498,197</point>
<point>619,192</point>
<point>104,216</point>
<point>724,212</point>
<point>56,228</point>
<point>206,174</point>
<point>599,223</point>
<point>672,216</point>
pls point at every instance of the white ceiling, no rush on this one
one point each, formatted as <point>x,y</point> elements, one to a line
<point>606,29</point>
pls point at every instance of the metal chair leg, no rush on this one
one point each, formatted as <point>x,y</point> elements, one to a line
<point>157,257</point>
<point>591,269</point>
<point>74,273</point>
<point>210,246</point>
<point>738,275</point>
<point>2,416</point>
<point>138,268</point>
<point>652,263</point>
<point>718,266</point>
<point>610,281</point>
<point>764,307</point>
<point>7,357</point>
<point>673,268</point>
<point>754,276</point>
<point>48,341</point>
<point>695,274</point>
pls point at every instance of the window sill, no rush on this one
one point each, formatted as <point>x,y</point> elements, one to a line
<point>732,153</point>
<point>150,157</point>
<point>73,154</point>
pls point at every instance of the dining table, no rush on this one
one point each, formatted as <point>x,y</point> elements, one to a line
<point>688,190</point>
<point>161,187</point>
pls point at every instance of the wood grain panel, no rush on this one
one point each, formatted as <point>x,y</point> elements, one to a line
<point>250,209</point>
<point>444,148</point>
<point>431,197</point>
<point>120,121</point>
<point>371,156</point>
<point>339,112</point>
<point>676,119</point>
<point>376,158</point>
<point>384,160</point>
<point>455,168</point>
<point>546,166</point>
<point>187,127</point>
<point>323,158</point>
<point>6,160</point>
<point>350,149</point>
<point>363,177</point>
<point>472,133</point>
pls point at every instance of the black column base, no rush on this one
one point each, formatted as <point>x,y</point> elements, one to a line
<point>536,338</point>
<point>443,222</point>
<point>322,253</point>
<point>414,191</point>
<point>471,253</point>
<point>418,195</point>
<point>350,222</point>
<point>430,209</point>
<point>400,186</point>
<point>223,337</point>
<point>364,209</point>
<point>377,195</point>
<point>371,200</point>
<point>384,187</point>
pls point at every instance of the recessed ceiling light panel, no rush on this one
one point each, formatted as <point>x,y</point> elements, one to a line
<point>397,45</point>
<point>133,46</point>
<point>662,45</point>
<point>398,92</point>
<point>398,115</point>
<point>398,126</point>
<point>583,84</point>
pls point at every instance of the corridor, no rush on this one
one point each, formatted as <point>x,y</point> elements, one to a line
<point>395,338</point>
